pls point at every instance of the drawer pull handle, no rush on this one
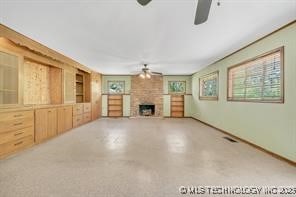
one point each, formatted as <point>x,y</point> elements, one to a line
<point>16,124</point>
<point>16,134</point>
<point>18,143</point>
<point>18,115</point>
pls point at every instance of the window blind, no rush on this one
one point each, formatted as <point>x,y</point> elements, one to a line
<point>260,79</point>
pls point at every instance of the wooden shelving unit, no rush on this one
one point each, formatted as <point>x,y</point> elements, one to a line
<point>177,106</point>
<point>79,88</point>
<point>115,105</point>
<point>82,87</point>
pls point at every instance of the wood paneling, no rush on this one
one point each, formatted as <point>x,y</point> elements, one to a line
<point>177,106</point>
<point>55,84</point>
<point>42,84</point>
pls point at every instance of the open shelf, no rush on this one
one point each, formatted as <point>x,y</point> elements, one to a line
<point>82,87</point>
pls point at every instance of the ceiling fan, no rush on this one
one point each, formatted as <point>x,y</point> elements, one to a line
<point>202,11</point>
<point>147,73</point>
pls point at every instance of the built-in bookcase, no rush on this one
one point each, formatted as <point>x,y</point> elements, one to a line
<point>177,106</point>
<point>79,88</point>
<point>82,87</point>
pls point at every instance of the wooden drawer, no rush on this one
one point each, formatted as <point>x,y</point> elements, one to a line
<point>115,97</point>
<point>115,102</point>
<point>86,117</point>
<point>77,120</point>
<point>16,124</point>
<point>15,135</point>
<point>115,108</point>
<point>16,145</point>
<point>78,109</point>
<point>86,107</point>
<point>177,98</point>
<point>16,115</point>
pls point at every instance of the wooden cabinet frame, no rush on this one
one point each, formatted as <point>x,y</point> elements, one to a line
<point>20,85</point>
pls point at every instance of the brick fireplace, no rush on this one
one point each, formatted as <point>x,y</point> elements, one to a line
<point>145,91</point>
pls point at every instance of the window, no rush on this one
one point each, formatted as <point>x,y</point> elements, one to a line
<point>116,87</point>
<point>259,79</point>
<point>177,87</point>
<point>208,86</point>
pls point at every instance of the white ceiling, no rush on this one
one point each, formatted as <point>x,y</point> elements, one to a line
<point>114,36</point>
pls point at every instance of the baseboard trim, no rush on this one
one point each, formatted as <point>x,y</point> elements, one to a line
<point>279,157</point>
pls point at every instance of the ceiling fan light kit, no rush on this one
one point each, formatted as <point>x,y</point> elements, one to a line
<point>147,74</point>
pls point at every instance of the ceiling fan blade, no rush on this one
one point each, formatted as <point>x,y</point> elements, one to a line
<point>143,2</point>
<point>202,11</point>
<point>156,73</point>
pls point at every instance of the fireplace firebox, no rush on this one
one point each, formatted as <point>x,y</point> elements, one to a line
<point>146,109</point>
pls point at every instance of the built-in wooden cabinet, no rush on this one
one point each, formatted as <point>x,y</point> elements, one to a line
<point>45,124</point>
<point>65,119</point>
<point>16,131</point>
<point>81,114</point>
<point>115,105</point>
<point>39,89</point>
<point>177,106</point>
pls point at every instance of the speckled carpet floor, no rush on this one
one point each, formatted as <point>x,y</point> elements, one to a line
<point>138,157</point>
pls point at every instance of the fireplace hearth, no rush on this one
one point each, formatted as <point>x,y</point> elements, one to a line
<point>146,109</point>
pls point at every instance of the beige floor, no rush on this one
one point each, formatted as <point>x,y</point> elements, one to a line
<point>138,157</point>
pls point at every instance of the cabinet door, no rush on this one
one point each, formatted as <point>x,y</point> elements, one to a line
<point>69,86</point>
<point>52,127</point>
<point>96,95</point>
<point>68,118</point>
<point>41,124</point>
<point>61,121</point>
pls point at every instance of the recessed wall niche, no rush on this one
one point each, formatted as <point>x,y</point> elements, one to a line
<point>42,83</point>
